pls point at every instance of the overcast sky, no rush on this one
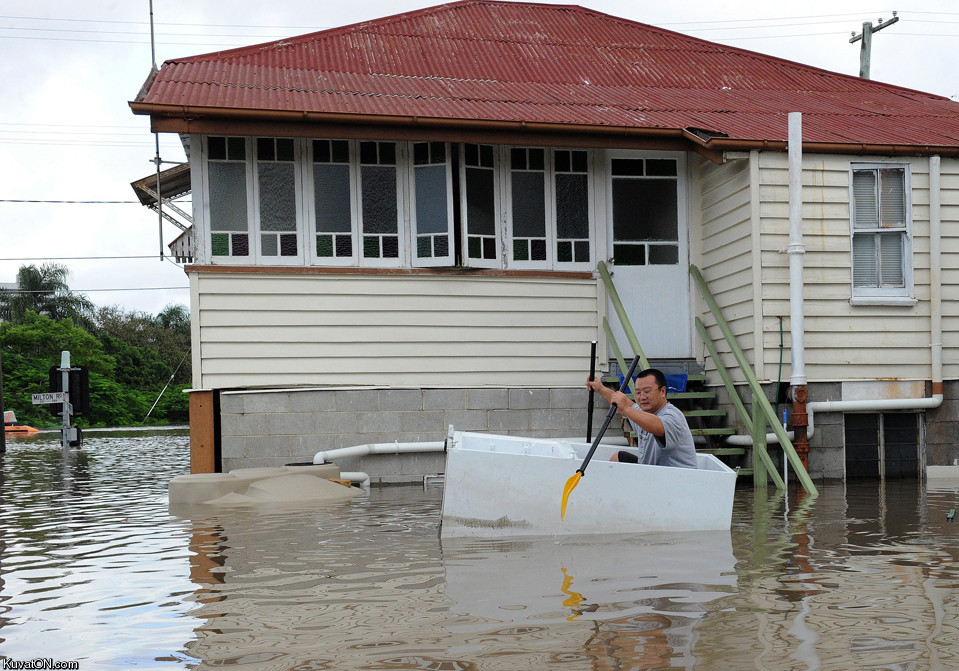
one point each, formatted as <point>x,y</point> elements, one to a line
<point>69,69</point>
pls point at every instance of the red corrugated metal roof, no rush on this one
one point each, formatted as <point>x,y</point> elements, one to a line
<point>553,64</point>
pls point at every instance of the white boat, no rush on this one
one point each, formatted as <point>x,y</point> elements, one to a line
<point>512,486</point>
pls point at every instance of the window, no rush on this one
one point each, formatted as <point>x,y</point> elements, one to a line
<point>379,201</point>
<point>645,211</point>
<point>545,206</point>
<point>480,205</point>
<point>229,223</point>
<point>348,202</point>
<point>276,200</point>
<point>333,238</point>
<point>879,445</point>
<point>881,231</point>
<point>432,211</point>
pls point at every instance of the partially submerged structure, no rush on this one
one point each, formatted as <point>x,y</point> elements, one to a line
<point>397,226</point>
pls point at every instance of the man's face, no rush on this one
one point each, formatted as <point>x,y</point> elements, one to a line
<point>650,397</point>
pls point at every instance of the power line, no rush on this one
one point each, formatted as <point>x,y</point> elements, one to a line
<point>75,258</point>
<point>85,291</point>
<point>72,202</point>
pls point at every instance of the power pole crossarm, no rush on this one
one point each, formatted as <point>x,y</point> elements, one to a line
<point>865,51</point>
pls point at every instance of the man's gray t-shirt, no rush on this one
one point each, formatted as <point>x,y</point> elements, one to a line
<point>676,448</point>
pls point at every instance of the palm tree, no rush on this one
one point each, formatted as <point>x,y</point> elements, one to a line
<point>44,290</point>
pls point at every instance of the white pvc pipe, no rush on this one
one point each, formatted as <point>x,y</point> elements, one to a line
<point>363,479</point>
<point>377,448</point>
<point>796,250</point>
<point>935,267</point>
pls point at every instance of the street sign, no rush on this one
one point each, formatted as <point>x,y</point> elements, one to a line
<point>48,397</point>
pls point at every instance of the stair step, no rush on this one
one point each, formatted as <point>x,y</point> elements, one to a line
<point>716,431</point>
<point>705,413</point>
<point>677,395</point>
<point>720,451</point>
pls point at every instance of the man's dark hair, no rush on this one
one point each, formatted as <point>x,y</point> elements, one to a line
<point>656,373</point>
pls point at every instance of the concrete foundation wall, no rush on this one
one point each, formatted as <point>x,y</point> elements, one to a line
<point>274,428</point>
<point>939,434</point>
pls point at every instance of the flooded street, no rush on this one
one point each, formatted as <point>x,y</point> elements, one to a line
<point>96,568</point>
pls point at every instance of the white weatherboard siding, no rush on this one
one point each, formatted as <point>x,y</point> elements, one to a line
<point>726,255</point>
<point>843,341</point>
<point>949,211</point>
<point>262,330</point>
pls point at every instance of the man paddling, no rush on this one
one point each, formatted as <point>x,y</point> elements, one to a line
<point>662,433</point>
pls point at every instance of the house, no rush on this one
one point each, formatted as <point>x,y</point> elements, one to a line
<point>397,227</point>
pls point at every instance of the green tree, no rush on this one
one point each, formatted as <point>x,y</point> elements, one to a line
<point>44,290</point>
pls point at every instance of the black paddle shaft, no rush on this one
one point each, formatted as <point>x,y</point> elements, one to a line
<point>609,416</point>
<point>589,405</point>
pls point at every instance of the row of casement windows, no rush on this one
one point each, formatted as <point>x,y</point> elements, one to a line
<point>398,203</point>
<point>433,204</point>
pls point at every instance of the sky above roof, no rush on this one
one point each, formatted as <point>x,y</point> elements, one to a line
<point>71,146</point>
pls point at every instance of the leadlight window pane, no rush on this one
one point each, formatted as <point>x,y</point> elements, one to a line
<point>572,206</point>
<point>379,199</point>
<point>216,148</point>
<point>331,189</point>
<point>228,197</point>
<point>236,148</point>
<point>277,196</point>
<point>241,244</point>
<point>268,245</point>
<point>431,199</point>
<point>529,204</point>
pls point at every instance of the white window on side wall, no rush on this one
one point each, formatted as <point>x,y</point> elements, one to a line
<point>881,230</point>
<point>334,239</point>
<point>480,205</point>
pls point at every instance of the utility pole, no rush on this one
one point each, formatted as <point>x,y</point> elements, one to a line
<point>866,37</point>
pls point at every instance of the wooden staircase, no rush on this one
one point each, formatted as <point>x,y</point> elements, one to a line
<point>707,423</point>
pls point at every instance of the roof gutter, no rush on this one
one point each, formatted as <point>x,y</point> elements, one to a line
<point>198,118</point>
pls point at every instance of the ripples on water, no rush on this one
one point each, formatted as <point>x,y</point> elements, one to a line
<point>95,567</point>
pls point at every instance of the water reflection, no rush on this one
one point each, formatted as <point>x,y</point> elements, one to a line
<point>95,567</point>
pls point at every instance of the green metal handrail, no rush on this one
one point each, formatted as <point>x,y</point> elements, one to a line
<point>758,396</point>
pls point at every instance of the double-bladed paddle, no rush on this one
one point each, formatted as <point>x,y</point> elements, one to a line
<point>575,478</point>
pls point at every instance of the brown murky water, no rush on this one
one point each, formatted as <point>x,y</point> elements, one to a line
<point>96,568</point>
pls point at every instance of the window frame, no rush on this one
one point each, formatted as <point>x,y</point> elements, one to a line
<point>879,295</point>
<point>228,259</point>
<point>298,193</point>
<point>498,199</point>
<point>449,259</point>
<point>309,205</point>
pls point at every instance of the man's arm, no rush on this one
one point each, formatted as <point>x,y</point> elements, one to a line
<point>647,421</point>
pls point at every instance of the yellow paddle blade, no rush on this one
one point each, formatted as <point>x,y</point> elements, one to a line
<point>567,490</point>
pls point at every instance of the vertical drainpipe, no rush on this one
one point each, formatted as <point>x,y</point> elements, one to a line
<point>796,250</point>
<point>935,273</point>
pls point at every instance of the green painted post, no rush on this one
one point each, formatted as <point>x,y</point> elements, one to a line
<point>619,356</point>
<point>760,469</point>
<point>758,395</point>
<point>747,420</point>
<point>621,313</point>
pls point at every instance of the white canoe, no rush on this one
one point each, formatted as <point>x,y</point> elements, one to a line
<point>511,486</point>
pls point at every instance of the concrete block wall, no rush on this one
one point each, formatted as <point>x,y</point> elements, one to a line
<point>273,428</point>
<point>940,436</point>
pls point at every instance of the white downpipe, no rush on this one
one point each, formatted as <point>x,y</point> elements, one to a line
<point>796,250</point>
<point>377,448</point>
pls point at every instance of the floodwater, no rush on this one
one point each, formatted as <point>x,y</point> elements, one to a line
<point>95,568</point>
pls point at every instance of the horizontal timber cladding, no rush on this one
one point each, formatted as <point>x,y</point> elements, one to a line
<point>726,254</point>
<point>843,340</point>
<point>263,330</point>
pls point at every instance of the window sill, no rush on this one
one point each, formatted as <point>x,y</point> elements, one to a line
<point>903,301</point>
